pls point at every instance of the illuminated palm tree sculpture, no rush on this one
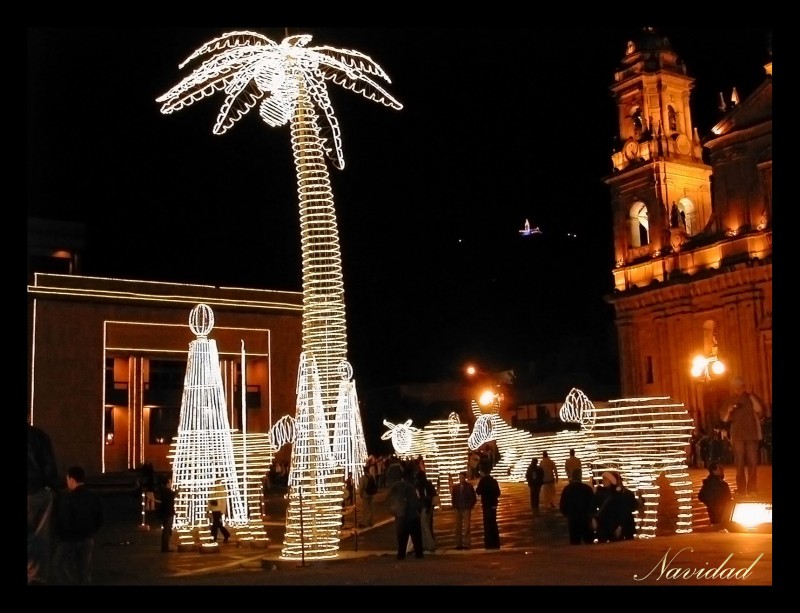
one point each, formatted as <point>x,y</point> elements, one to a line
<point>288,82</point>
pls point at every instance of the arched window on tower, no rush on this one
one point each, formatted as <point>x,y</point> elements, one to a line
<point>639,225</point>
<point>637,116</point>
<point>710,338</point>
<point>687,213</point>
<point>673,119</point>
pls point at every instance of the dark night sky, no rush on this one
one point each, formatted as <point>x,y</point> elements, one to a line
<point>499,125</point>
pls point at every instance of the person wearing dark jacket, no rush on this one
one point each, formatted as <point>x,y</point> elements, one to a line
<point>405,505</point>
<point>614,508</point>
<point>42,484</point>
<point>79,515</point>
<point>426,492</point>
<point>715,493</point>
<point>463,499</point>
<point>534,476</point>
<point>489,491</point>
<point>166,510</point>
<point>576,505</point>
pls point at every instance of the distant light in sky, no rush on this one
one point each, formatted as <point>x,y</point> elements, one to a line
<point>527,230</point>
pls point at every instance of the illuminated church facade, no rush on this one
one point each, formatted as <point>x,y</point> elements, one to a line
<point>692,233</point>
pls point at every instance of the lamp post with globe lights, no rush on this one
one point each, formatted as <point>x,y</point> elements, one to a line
<point>707,370</point>
<point>484,388</point>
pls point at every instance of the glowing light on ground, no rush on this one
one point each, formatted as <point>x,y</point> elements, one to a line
<point>751,514</point>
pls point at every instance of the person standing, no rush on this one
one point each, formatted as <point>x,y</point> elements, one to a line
<point>473,461</point>
<point>744,412</point>
<point>166,510</point>
<point>367,488</point>
<point>406,506</point>
<point>571,464</point>
<point>489,491</point>
<point>42,484</point>
<point>615,506</point>
<point>715,493</point>
<point>426,492</point>
<point>549,481</point>
<point>463,499</point>
<point>218,506</point>
<point>577,506</point>
<point>534,476</point>
<point>79,516</point>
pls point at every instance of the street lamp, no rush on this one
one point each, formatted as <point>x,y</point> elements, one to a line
<point>704,367</point>
<point>489,397</point>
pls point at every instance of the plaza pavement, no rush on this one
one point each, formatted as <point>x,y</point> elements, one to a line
<point>534,551</point>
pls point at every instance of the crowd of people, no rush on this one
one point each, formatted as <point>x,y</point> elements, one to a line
<point>73,514</point>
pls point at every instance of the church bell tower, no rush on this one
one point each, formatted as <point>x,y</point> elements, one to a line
<point>660,187</point>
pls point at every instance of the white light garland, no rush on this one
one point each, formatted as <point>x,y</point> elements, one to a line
<point>204,444</point>
<point>314,514</point>
<point>401,435</point>
<point>349,444</point>
<point>287,81</point>
<point>641,438</point>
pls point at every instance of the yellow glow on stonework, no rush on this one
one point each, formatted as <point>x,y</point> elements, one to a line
<point>204,444</point>
<point>288,83</point>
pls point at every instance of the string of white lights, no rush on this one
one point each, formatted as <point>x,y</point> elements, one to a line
<point>287,81</point>
<point>314,514</point>
<point>203,446</point>
<point>349,443</point>
<point>641,438</point>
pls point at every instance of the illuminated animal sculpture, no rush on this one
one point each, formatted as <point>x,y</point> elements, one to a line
<point>641,438</point>
<point>442,444</point>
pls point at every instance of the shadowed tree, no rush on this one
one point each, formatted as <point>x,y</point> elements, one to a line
<point>288,83</point>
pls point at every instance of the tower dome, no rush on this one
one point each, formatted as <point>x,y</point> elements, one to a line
<point>649,51</point>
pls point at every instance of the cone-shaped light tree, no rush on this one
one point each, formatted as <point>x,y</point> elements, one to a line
<point>288,83</point>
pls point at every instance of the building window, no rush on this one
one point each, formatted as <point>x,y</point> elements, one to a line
<point>687,213</point>
<point>639,225</point>
<point>673,120</point>
<point>638,120</point>
<point>109,426</point>
<point>710,337</point>
<point>167,374</point>
<point>164,423</point>
<point>648,369</point>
